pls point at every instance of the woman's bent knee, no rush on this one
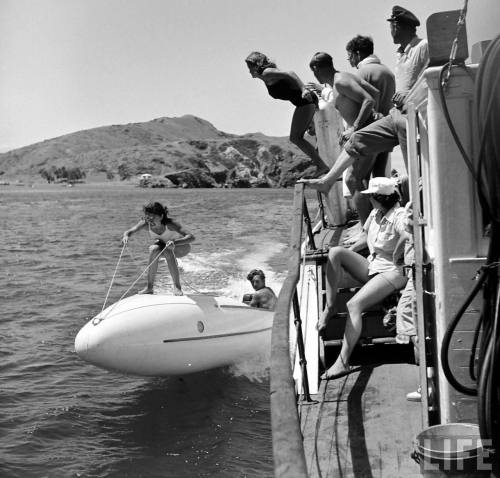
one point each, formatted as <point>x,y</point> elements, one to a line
<point>296,138</point>
<point>354,306</point>
<point>336,252</point>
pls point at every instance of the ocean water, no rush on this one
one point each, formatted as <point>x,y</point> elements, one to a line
<point>62,417</point>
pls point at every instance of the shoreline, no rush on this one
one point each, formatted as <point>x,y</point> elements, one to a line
<point>28,184</point>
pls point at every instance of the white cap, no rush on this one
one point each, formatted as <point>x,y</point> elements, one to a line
<point>380,185</point>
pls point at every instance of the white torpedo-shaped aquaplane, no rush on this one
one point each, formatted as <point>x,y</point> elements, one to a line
<point>160,335</point>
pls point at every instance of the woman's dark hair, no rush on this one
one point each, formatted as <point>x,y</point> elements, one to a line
<point>158,210</point>
<point>259,60</point>
<point>386,200</point>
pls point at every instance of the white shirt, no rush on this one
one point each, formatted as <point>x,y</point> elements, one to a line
<point>410,63</point>
<point>382,234</point>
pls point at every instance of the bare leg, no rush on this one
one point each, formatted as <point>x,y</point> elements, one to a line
<point>301,120</point>
<point>363,206</point>
<point>380,166</point>
<point>340,259</point>
<point>325,183</point>
<point>375,290</point>
<point>361,202</point>
<point>174,271</point>
<point>154,254</point>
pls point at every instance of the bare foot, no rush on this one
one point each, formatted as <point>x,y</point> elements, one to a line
<point>316,184</point>
<point>320,171</point>
<point>146,290</point>
<point>338,370</point>
<point>178,291</point>
<point>324,318</point>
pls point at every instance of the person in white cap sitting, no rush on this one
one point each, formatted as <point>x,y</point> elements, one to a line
<point>380,273</point>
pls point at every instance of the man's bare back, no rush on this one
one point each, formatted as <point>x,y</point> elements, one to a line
<point>349,98</point>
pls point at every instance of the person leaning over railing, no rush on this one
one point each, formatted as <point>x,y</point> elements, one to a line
<point>381,273</point>
<point>356,100</point>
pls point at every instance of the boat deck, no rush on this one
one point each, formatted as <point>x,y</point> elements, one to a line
<point>362,426</point>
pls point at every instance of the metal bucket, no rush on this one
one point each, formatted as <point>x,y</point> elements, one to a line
<point>451,450</point>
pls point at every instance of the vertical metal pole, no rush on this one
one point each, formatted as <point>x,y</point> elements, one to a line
<point>300,345</point>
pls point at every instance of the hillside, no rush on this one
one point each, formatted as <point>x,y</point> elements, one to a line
<point>186,151</point>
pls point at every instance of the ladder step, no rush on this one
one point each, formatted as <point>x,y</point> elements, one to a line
<point>364,340</point>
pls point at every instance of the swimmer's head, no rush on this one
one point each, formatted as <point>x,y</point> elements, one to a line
<point>257,278</point>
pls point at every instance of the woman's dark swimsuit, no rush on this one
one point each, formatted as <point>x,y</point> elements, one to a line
<point>288,91</point>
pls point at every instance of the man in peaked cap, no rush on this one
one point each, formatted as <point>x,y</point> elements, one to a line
<point>412,55</point>
<point>402,15</point>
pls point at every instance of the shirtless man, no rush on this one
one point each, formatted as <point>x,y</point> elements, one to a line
<point>355,99</point>
<point>264,297</point>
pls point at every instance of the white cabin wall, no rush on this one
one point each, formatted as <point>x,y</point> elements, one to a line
<point>451,219</point>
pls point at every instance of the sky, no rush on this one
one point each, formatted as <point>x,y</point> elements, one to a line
<point>69,65</point>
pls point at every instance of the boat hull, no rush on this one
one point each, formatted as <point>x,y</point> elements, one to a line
<point>160,335</point>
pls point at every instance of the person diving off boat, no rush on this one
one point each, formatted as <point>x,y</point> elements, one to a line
<point>170,241</point>
<point>287,86</point>
<point>263,297</point>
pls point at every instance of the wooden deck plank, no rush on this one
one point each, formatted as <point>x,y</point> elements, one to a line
<point>362,425</point>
